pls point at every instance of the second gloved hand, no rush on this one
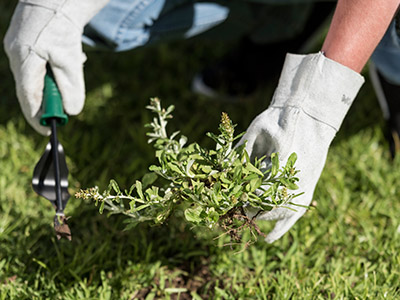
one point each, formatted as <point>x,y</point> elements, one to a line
<point>308,107</point>
<point>48,31</point>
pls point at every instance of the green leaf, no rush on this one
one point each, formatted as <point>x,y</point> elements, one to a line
<point>251,177</point>
<point>188,167</point>
<point>237,189</point>
<point>152,193</point>
<point>255,183</point>
<point>239,149</point>
<point>101,208</point>
<point>115,186</point>
<point>239,136</point>
<point>174,135</point>
<point>217,187</point>
<point>275,164</point>
<point>292,186</point>
<point>237,173</point>
<point>246,155</point>
<point>170,109</point>
<point>258,161</point>
<point>132,205</point>
<point>216,139</point>
<point>193,214</point>
<point>289,184</point>
<point>182,141</point>
<point>292,159</point>
<point>139,208</point>
<point>173,167</point>
<point>139,189</point>
<point>150,296</point>
<point>213,216</point>
<point>175,290</point>
<point>195,296</point>
<point>131,189</point>
<point>253,169</point>
<point>148,179</point>
<point>131,225</point>
<point>300,205</point>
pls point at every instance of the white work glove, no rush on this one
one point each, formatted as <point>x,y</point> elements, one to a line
<point>308,107</point>
<point>50,31</point>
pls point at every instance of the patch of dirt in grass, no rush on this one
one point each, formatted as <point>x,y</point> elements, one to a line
<point>193,282</point>
<point>10,279</point>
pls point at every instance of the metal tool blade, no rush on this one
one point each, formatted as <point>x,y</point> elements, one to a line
<point>44,178</point>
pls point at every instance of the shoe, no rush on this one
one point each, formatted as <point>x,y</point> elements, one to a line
<point>388,95</point>
<point>240,72</point>
<point>251,65</point>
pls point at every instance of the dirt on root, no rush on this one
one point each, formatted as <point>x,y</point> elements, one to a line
<point>234,222</point>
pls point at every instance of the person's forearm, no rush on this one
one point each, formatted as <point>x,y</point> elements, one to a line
<point>356,29</point>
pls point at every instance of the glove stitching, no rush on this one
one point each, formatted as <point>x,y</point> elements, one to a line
<point>138,8</point>
<point>306,113</point>
<point>35,3</point>
<point>62,13</point>
<point>35,47</point>
<point>315,70</point>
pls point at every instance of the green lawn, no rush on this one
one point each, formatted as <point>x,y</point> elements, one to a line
<point>347,247</point>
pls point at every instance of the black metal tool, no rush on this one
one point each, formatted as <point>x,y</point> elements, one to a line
<point>50,176</point>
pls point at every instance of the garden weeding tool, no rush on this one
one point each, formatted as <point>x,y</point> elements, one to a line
<point>50,176</point>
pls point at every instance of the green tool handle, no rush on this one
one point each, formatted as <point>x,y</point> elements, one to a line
<point>52,102</point>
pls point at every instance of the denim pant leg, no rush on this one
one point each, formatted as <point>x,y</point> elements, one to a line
<point>127,24</point>
<point>386,56</point>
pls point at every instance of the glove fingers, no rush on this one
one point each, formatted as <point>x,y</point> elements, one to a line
<point>70,81</point>
<point>30,82</point>
<point>29,85</point>
<point>34,122</point>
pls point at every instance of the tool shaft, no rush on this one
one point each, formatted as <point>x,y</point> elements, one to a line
<point>56,164</point>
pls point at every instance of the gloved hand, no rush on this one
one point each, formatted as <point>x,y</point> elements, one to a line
<point>50,31</point>
<point>309,104</point>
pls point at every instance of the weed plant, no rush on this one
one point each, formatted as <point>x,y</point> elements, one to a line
<point>212,187</point>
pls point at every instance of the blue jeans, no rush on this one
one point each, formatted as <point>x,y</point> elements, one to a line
<point>127,24</point>
<point>386,56</point>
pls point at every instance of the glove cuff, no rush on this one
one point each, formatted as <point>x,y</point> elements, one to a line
<point>321,87</point>
<point>78,11</point>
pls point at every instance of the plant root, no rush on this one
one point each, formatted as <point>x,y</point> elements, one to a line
<point>229,224</point>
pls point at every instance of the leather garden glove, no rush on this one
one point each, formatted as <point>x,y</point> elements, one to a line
<point>48,31</point>
<point>312,98</point>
